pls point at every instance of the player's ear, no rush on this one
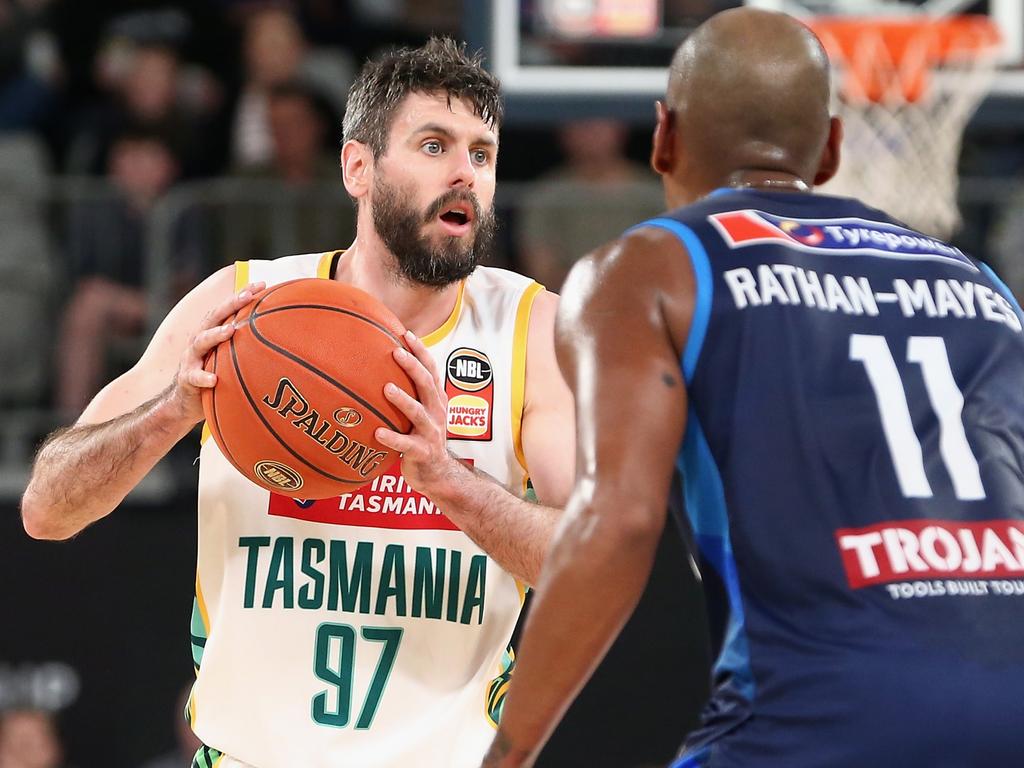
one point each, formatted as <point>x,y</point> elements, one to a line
<point>356,168</point>
<point>663,145</point>
<point>829,163</point>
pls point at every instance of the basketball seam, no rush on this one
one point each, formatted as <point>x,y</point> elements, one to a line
<point>222,443</point>
<point>216,420</point>
<point>270,429</point>
<point>299,361</point>
<point>382,328</point>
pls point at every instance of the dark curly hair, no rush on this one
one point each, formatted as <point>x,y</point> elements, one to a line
<point>442,65</point>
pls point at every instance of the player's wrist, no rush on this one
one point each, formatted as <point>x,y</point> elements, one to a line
<point>449,486</point>
<point>174,413</point>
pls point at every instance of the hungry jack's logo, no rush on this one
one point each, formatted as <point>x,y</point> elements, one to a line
<point>469,384</point>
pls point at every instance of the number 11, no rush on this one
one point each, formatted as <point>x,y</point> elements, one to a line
<point>947,401</point>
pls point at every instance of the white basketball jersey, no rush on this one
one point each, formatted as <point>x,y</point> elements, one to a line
<point>365,630</point>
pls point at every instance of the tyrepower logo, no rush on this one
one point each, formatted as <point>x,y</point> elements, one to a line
<point>743,228</point>
<point>926,549</point>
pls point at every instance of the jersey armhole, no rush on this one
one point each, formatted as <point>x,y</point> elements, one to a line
<point>698,256</point>
<point>520,335</point>
<point>1003,288</point>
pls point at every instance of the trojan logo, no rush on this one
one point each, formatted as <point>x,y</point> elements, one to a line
<point>289,404</point>
<point>278,475</point>
<point>469,415</point>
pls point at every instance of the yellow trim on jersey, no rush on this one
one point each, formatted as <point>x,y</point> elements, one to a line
<point>206,434</point>
<point>521,588</point>
<point>448,325</point>
<point>202,605</point>
<point>241,275</point>
<point>323,266</point>
<point>519,336</point>
<point>204,614</point>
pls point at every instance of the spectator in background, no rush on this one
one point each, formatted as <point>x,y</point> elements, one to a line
<point>592,198</point>
<point>273,48</point>
<point>29,739</point>
<point>298,217</point>
<point>144,79</point>
<point>186,742</point>
<point>275,52</point>
<point>29,65</point>
<point>107,247</point>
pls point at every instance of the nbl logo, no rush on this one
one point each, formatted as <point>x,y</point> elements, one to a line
<point>469,370</point>
<point>278,475</point>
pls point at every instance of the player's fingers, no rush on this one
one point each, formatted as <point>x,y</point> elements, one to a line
<point>201,379</point>
<point>419,349</point>
<point>426,385</point>
<point>207,339</point>
<point>396,441</point>
<point>227,308</point>
<point>410,406</point>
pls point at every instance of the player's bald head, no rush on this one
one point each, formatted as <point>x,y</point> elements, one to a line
<point>749,89</point>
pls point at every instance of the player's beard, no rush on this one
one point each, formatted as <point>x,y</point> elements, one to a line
<point>420,258</point>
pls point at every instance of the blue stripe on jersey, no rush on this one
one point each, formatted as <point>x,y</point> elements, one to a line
<point>1003,288</point>
<point>705,506</point>
<point>696,760</point>
<point>702,276</point>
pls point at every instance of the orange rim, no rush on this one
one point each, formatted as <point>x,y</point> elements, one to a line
<point>878,53</point>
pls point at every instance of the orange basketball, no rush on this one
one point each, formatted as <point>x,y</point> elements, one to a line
<point>300,389</point>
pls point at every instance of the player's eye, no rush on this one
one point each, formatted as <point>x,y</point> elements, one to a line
<point>480,156</point>
<point>432,147</point>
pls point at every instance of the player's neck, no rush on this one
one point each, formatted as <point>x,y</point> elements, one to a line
<point>368,265</point>
<point>768,181</point>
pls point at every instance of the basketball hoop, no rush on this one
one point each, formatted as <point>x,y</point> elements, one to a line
<point>905,89</point>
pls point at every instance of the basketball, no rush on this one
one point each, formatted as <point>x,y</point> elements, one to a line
<point>300,389</point>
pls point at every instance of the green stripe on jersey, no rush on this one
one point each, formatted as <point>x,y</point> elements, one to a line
<point>198,635</point>
<point>498,687</point>
<point>205,757</point>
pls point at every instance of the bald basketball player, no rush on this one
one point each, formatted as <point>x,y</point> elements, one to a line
<point>831,406</point>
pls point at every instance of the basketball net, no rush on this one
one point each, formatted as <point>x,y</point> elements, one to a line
<point>905,89</point>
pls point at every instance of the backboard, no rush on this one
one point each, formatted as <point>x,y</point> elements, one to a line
<point>563,58</point>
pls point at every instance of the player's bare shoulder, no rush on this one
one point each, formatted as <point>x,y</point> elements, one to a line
<point>645,275</point>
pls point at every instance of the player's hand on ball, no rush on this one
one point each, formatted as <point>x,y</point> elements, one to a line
<point>425,457</point>
<point>215,327</point>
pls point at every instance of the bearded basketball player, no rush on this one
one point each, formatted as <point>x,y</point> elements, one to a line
<point>370,629</point>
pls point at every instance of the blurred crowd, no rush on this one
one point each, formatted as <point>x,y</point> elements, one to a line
<point>144,144</point>
<point>136,102</point>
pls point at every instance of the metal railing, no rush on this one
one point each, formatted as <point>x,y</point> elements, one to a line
<point>275,213</point>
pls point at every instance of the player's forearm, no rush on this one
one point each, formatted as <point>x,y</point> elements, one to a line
<point>572,624</point>
<point>82,473</point>
<point>513,531</point>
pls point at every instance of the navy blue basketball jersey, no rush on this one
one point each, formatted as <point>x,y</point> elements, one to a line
<point>852,479</point>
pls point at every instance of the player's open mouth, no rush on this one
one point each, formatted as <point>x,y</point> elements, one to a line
<point>457,219</point>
